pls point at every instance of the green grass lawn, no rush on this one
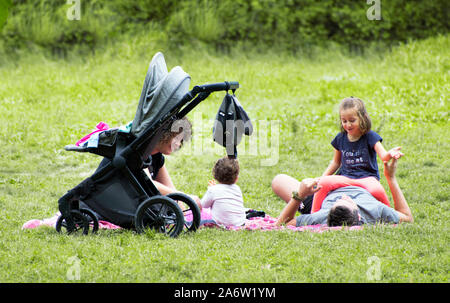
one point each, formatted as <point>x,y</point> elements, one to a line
<point>46,104</point>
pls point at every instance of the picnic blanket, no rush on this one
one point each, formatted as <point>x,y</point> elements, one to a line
<point>51,222</point>
<point>266,223</point>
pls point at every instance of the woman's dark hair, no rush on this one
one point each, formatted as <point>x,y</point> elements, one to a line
<point>226,170</point>
<point>341,215</point>
<point>182,126</point>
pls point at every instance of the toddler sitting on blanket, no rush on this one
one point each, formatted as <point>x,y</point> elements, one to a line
<point>225,198</point>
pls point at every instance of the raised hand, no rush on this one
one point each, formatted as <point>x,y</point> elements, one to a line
<point>395,153</point>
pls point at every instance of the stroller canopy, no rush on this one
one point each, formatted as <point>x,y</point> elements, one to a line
<point>161,92</point>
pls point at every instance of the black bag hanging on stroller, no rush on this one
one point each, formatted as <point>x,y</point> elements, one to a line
<point>231,123</point>
<point>119,190</point>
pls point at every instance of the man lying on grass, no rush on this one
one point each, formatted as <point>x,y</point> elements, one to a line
<point>349,205</point>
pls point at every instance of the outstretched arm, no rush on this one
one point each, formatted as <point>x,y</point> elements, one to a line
<point>164,183</point>
<point>307,187</point>
<point>384,155</point>
<point>400,204</point>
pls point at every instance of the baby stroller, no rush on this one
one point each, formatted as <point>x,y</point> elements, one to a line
<point>120,191</point>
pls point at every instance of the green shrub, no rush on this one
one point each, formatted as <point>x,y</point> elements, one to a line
<point>45,23</point>
<point>295,26</point>
<point>4,8</point>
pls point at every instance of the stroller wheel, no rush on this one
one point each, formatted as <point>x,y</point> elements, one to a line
<point>161,214</point>
<point>92,218</point>
<point>76,222</point>
<point>191,211</point>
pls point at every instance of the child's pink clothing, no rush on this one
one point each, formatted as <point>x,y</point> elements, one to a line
<point>329,183</point>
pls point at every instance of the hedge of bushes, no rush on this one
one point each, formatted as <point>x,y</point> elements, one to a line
<point>285,24</point>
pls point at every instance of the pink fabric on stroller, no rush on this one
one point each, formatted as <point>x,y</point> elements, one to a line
<point>101,126</point>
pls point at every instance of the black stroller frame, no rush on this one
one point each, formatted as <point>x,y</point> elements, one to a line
<point>121,192</point>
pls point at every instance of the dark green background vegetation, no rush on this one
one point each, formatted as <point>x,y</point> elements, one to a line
<point>288,25</point>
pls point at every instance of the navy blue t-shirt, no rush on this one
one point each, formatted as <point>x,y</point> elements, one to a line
<point>359,158</point>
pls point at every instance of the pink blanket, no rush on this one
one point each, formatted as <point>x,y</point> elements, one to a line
<point>101,126</point>
<point>51,222</point>
<point>268,223</point>
<point>257,223</point>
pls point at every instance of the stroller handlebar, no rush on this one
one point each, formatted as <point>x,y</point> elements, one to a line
<point>208,88</point>
<point>201,92</point>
